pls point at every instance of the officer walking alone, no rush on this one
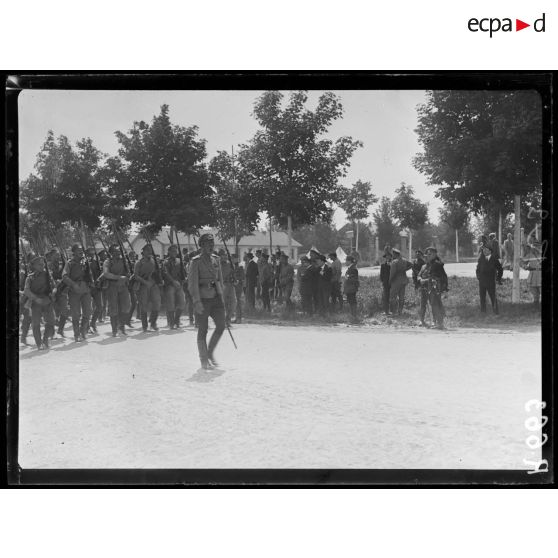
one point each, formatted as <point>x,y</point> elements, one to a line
<point>205,283</point>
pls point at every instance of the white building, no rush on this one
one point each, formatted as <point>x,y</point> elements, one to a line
<point>258,240</point>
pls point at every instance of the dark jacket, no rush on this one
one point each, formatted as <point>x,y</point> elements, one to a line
<point>489,270</point>
<point>252,272</point>
<point>351,280</point>
<point>435,271</point>
<point>384,274</point>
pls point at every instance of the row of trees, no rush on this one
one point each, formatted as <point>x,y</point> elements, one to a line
<point>289,170</point>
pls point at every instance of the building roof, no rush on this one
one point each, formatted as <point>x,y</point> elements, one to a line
<point>257,238</point>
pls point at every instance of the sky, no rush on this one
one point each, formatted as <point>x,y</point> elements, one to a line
<point>383,120</point>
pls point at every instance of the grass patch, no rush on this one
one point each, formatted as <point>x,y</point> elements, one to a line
<point>461,303</point>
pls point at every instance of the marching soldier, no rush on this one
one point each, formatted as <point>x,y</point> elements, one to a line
<point>96,288</point>
<point>239,284</point>
<point>149,295</point>
<point>229,292</point>
<point>77,276</point>
<point>433,282</point>
<point>205,283</point>
<point>61,309</point>
<point>174,277</point>
<point>117,292</point>
<point>38,291</point>
<point>103,255</point>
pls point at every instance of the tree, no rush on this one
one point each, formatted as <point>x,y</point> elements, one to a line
<point>322,235</point>
<point>409,211</point>
<point>292,170</point>
<point>456,216</point>
<point>235,211</point>
<point>386,226</point>
<point>483,148</point>
<point>163,176</point>
<point>66,190</point>
<point>356,203</point>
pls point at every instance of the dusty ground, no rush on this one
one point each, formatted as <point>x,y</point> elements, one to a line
<point>305,397</point>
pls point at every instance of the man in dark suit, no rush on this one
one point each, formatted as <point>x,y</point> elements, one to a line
<point>489,271</point>
<point>324,283</point>
<point>251,280</point>
<point>398,281</point>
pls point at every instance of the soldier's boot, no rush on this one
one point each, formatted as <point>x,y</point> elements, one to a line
<point>114,325</point>
<point>177,314</point>
<point>37,336</point>
<point>144,321</point>
<point>212,344</point>
<point>122,326</point>
<point>170,320</point>
<point>202,350</point>
<point>61,324</point>
<point>84,327</point>
<point>49,333</point>
<point>75,325</point>
<point>153,320</point>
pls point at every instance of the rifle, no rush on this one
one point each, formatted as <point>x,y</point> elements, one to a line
<point>158,276</point>
<point>61,285</point>
<point>86,262</point>
<point>232,270</point>
<point>99,281</point>
<point>125,257</point>
<point>51,283</point>
<point>184,274</point>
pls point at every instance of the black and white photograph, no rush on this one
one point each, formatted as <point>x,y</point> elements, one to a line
<point>258,277</point>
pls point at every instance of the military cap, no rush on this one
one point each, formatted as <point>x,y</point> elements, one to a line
<point>206,237</point>
<point>249,255</point>
<point>492,235</point>
<point>75,246</point>
<point>315,253</point>
<point>431,249</point>
<point>396,251</point>
<point>418,252</point>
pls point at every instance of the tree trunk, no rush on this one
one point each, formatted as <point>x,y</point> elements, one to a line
<point>356,241</point>
<point>270,238</point>
<point>516,295</point>
<point>500,227</point>
<point>377,248</point>
<point>456,245</point>
<point>290,235</point>
<point>410,245</point>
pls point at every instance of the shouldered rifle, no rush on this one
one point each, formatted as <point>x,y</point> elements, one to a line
<point>86,263</point>
<point>183,267</point>
<point>60,286</point>
<point>125,257</point>
<point>157,276</point>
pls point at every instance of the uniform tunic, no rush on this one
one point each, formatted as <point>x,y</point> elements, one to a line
<point>38,284</point>
<point>117,293</point>
<point>174,296</point>
<point>433,282</point>
<point>80,299</point>
<point>148,296</point>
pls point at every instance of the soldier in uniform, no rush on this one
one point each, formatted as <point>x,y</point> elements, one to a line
<point>239,284</point>
<point>433,282</point>
<point>96,292</point>
<point>351,286</point>
<point>229,292</point>
<point>103,255</point>
<point>205,283</point>
<point>174,277</point>
<point>118,294</point>
<point>149,295</point>
<point>286,280</point>
<point>77,276</point>
<point>38,291</point>
<point>61,309</point>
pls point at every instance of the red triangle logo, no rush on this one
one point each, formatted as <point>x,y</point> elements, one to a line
<point>519,25</point>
